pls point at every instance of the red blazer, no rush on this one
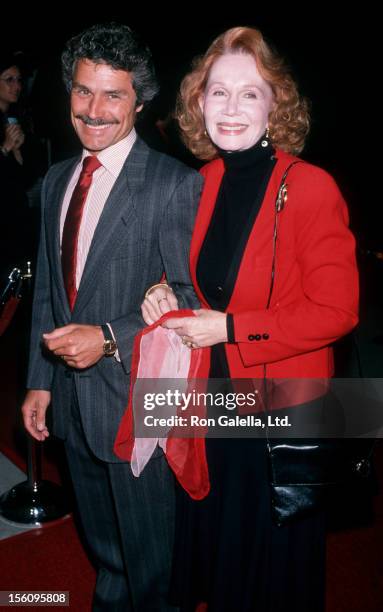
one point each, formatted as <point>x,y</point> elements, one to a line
<point>315,295</point>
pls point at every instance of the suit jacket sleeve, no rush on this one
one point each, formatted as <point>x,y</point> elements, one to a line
<point>325,305</point>
<point>40,372</point>
<point>174,239</point>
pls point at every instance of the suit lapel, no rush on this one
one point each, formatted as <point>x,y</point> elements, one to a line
<point>116,220</point>
<point>53,213</point>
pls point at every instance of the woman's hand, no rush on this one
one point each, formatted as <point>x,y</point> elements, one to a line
<point>208,327</point>
<point>14,137</point>
<point>157,303</point>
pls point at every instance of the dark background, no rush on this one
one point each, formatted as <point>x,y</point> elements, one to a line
<point>330,55</point>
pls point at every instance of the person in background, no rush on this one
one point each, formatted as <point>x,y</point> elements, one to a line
<point>12,136</point>
<point>14,208</point>
<point>113,220</point>
<point>22,164</point>
<point>269,310</point>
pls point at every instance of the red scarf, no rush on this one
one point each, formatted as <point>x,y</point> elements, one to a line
<point>185,456</point>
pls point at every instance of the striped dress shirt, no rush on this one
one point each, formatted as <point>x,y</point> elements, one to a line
<point>112,159</point>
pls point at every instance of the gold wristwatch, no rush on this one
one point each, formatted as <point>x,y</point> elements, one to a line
<point>110,345</point>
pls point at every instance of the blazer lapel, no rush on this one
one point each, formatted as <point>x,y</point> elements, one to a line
<point>116,220</point>
<point>260,239</point>
<point>206,207</point>
<point>262,227</point>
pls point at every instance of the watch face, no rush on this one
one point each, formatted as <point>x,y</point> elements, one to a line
<point>110,348</point>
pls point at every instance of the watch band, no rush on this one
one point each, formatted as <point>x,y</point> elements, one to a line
<point>107,333</point>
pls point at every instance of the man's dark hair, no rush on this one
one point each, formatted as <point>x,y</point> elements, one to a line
<point>117,46</point>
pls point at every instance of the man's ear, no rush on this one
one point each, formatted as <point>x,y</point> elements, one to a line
<point>139,108</point>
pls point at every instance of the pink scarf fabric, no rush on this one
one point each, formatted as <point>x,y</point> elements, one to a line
<point>158,353</point>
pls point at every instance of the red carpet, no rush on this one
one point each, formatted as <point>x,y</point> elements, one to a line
<point>355,561</point>
<point>52,558</point>
<point>48,559</point>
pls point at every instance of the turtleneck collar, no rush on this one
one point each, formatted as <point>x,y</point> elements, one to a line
<point>241,160</point>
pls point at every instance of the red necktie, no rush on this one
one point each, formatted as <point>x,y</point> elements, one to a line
<point>72,224</point>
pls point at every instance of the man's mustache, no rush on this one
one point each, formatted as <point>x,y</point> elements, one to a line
<point>96,122</point>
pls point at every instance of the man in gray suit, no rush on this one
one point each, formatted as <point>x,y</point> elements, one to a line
<point>113,221</point>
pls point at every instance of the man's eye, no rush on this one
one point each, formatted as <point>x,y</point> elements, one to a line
<point>113,96</point>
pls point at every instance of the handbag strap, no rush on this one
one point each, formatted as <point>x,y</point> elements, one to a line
<point>280,201</point>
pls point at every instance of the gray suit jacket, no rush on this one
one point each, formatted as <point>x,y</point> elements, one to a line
<point>144,230</point>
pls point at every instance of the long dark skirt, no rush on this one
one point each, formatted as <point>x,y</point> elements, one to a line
<point>229,554</point>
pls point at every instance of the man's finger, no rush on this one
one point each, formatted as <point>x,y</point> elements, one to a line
<point>40,425</point>
<point>60,346</point>
<point>71,363</point>
<point>34,422</point>
<point>59,332</point>
<point>30,425</point>
<point>65,351</point>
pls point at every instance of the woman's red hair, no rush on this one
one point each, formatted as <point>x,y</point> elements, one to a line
<point>289,121</point>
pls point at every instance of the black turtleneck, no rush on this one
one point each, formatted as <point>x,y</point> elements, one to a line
<point>239,199</point>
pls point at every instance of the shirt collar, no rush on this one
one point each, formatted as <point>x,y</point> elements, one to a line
<point>114,157</point>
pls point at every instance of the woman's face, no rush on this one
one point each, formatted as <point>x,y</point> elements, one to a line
<point>10,87</point>
<point>236,102</point>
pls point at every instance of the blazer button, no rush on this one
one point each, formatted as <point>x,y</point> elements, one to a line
<point>251,337</point>
<point>265,336</point>
<point>258,337</point>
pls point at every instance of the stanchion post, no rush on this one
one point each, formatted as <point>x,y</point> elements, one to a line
<point>34,501</point>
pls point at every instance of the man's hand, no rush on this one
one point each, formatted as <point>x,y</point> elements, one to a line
<point>208,327</point>
<point>80,346</point>
<point>34,408</point>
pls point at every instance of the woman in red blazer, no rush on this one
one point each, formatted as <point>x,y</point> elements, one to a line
<point>278,284</point>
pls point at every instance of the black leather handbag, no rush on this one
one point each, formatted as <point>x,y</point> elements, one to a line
<point>304,472</point>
